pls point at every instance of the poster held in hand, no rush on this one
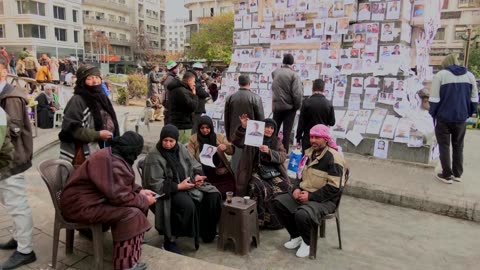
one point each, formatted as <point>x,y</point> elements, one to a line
<point>254,133</point>
<point>206,156</point>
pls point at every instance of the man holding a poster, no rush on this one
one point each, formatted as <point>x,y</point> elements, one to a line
<point>453,100</point>
<point>287,93</point>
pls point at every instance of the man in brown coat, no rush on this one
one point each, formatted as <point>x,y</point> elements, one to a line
<point>13,194</point>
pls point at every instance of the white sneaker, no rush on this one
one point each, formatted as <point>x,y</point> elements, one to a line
<point>293,243</point>
<point>457,179</point>
<point>303,251</point>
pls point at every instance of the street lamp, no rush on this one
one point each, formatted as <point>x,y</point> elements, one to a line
<point>468,39</point>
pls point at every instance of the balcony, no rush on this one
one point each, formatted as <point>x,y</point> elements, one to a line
<point>108,5</point>
<point>190,2</point>
<point>113,41</point>
<point>107,23</point>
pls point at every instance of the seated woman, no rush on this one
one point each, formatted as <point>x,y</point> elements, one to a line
<point>103,190</point>
<point>46,108</point>
<point>189,207</point>
<point>43,74</point>
<point>261,172</point>
<point>222,175</point>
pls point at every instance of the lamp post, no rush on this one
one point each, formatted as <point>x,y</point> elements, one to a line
<point>468,39</point>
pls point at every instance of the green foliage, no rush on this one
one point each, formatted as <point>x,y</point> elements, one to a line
<point>117,79</point>
<point>122,96</point>
<point>137,85</point>
<point>474,61</point>
<point>214,40</point>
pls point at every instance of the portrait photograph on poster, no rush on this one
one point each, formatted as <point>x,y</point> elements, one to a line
<point>254,133</point>
<point>206,156</point>
<point>380,148</point>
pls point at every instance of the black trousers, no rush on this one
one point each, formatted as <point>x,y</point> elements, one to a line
<point>453,133</point>
<point>286,118</point>
<point>297,224</point>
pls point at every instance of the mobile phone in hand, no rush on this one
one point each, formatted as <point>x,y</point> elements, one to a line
<point>158,196</point>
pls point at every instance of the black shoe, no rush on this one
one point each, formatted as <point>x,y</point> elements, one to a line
<point>140,266</point>
<point>444,179</point>
<point>172,247</point>
<point>18,259</point>
<point>87,233</point>
<point>11,244</point>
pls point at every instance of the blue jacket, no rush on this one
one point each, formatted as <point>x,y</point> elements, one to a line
<point>454,95</point>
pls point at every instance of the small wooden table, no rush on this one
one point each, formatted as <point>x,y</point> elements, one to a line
<point>239,223</point>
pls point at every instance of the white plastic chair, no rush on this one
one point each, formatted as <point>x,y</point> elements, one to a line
<point>58,118</point>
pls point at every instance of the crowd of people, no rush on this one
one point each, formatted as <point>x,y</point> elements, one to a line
<point>184,194</point>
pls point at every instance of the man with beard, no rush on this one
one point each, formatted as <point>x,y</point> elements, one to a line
<point>172,74</point>
<point>321,174</point>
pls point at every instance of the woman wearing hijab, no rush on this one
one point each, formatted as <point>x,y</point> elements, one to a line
<point>261,172</point>
<point>89,121</point>
<point>107,194</point>
<point>189,206</point>
<point>221,176</point>
<point>46,108</point>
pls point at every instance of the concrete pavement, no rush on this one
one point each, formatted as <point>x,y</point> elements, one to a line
<point>393,182</point>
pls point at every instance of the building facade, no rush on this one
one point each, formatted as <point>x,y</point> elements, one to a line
<point>456,16</point>
<point>42,26</point>
<point>201,9</point>
<point>150,21</point>
<point>175,36</point>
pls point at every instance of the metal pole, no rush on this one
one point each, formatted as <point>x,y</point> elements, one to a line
<point>467,49</point>
<point>56,47</point>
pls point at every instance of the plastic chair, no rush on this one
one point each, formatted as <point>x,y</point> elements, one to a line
<point>58,118</point>
<point>143,120</point>
<point>55,173</point>
<point>336,215</point>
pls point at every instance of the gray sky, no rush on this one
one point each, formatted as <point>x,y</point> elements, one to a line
<point>175,9</point>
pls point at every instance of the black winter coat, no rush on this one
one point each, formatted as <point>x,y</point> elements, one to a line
<point>182,104</point>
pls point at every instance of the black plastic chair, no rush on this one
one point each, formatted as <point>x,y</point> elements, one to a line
<point>55,173</point>
<point>336,215</point>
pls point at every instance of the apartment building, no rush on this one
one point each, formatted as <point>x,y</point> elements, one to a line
<point>202,9</point>
<point>42,26</point>
<point>175,36</point>
<point>456,16</point>
<point>150,17</point>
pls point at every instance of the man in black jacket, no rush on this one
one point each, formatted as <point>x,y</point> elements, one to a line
<point>182,102</point>
<point>316,109</point>
<point>202,94</point>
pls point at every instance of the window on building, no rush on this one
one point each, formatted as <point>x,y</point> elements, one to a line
<point>59,13</point>
<point>123,36</point>
<point>75,15</point>
<point>468,3</point>
<point>225,9</point>
<point>121,1</point>
<point>31,31</point>
<point>75,36</point>
<point>111,17</point>
<point>122,19</point>
<point>1,7</point>
<point>2,30</point>
<point>190,15</point>
<point>30,7</point>
<point>445,4</point>
<point>459,31</point>
<point>61,34</point>
<point>212,12</point>
<point>440,34</point>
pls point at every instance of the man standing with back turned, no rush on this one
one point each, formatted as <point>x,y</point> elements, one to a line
<point>454,98</point>
<point>316,109</point>
<point>287,94</point>
<point>13,194</point>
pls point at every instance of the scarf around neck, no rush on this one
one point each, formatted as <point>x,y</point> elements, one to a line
<point>96,101</point>
<point>172,156</point>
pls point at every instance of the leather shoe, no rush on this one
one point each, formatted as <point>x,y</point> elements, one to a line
<point>11,244</point>
<point>18,259</point>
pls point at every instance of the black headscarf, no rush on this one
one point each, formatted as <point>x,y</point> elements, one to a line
<point>128,146</point>
<point>94,97</point>
<point>210,138</point>
<point>268,140</point>
<point>172,157</point>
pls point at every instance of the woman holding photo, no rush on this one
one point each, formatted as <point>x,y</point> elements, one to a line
<point>261,172</point>
<point>221,176</point>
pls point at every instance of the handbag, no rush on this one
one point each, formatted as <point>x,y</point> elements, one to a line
<point>79,157</point>
<point>267,171</point>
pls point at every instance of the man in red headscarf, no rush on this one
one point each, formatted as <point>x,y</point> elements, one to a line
<point>320,177</point>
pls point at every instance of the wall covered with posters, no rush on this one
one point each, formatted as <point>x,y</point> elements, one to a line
<point>361,49</point>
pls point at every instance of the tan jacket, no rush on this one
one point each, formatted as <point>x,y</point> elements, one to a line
<point>314,178</point>
<point>193,148</point>
<point>20,67</point>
